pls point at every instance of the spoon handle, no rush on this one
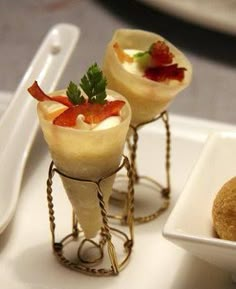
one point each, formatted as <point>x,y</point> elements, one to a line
<point>19,123</point>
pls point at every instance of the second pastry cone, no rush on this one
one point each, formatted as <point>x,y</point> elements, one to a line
<point>147,98</point>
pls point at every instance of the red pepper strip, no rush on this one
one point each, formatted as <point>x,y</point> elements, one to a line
<point>38,94</point>
<point>62,99</point>
<point>163,73</point>
<point>93,113</point>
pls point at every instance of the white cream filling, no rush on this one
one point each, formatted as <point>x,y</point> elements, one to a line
<point>50,108</point>
<point>80,124</point>
<point>134,66</point>
<point>108,123</point>
<point>104,124</point>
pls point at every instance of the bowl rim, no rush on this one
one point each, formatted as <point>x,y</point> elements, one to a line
<point>216,242</point>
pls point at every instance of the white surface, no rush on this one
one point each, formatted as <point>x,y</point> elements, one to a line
<point>19,123</point>
<point>215,14</point>
<point>190,224</point>
<point>5,97</point>
<point>25,246</point>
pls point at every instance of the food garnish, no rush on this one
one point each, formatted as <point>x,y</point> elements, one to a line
<point>157,62</point>
<point>88,100</point>
<point>74,94</point>
<point>93,113</point>
<point>159,53</point>
<point>123,57</point>
<point>94,84</point>
<point>163,73</point>
<point>38,94</point>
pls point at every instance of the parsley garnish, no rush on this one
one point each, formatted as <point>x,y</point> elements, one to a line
<point>93,84</point>
<point>74,94</point>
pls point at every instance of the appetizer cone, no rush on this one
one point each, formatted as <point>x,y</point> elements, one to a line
<point>86,154</point>
<point>147,98</point>
<point>89,149</point>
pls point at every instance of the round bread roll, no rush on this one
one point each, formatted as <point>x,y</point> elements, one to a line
<point>224,211</point>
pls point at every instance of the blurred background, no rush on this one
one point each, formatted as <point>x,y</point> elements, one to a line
<point>204,30</point>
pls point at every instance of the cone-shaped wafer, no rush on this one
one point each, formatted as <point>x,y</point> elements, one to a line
<point>147,98</point>
<point>86,154</point>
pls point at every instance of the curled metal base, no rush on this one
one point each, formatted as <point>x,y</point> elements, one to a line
<point>90,266</point>
<point>119,198</point>
<point>104,245</point>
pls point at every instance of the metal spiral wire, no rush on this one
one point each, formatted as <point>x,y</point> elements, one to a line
<point>133,154</point>
<point>50,202</point>
<point>130,201</point>
<point>136,178</point>
<point>167,190</point>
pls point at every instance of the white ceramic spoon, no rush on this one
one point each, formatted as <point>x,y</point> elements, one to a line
<point>19,123</point>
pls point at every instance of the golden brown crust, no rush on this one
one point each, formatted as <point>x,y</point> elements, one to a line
<point>224,211</point>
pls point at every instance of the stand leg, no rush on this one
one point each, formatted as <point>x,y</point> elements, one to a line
<point>133,154</point>
<point>166,191</point>
<point>142,180</point>
<point>106,231</point>
<point>130,200</point>
<point>75,230</point>
<point>50,203</point>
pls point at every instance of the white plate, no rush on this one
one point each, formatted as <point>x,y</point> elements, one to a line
<point>25,246</point>
<point>5,97</point>
<point>215,14</point>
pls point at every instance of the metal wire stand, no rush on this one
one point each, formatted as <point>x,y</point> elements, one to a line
<point>91,266</point>
<point>120,196</point>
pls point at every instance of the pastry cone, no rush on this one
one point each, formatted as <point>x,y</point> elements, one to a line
<point>147,98</point>
<point>87,154</point>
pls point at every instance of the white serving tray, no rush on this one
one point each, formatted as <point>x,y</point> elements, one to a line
<point>25,246</point>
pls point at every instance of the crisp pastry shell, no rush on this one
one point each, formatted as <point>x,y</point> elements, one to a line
<point>87,154</point>
<point>147,98</point>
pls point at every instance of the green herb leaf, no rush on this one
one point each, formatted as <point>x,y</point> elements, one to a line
<point>140,54</point>
<point>143,59</point>
<point>94,84</point>
<point>74,94</point>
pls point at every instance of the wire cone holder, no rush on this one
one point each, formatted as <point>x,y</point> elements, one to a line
<point>106,233</point>
<point>164,191</point>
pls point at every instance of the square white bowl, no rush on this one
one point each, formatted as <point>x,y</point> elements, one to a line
<point>190,223</point>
